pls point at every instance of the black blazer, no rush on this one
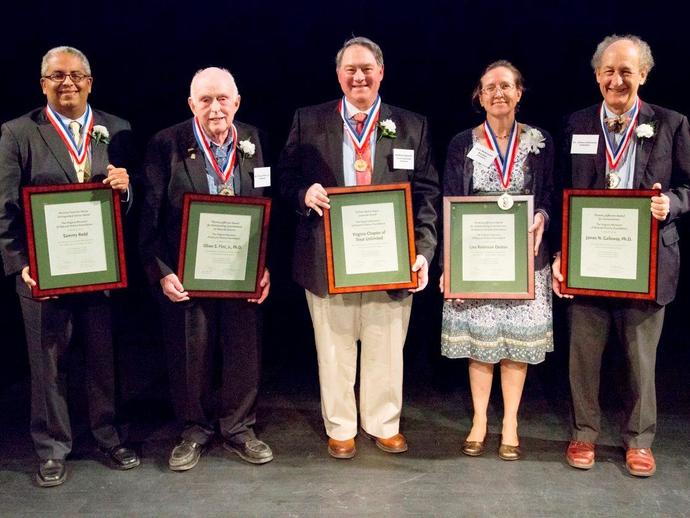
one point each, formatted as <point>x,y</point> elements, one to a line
<point>314,154</point>
<point>32,153</point>
<point>663,158</point>
<point>174,165</point>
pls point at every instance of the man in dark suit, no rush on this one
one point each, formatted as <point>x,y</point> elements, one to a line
<point>53,145</point>
<point>639,146</point>
<point>357,141</point>
<point>207,154</point>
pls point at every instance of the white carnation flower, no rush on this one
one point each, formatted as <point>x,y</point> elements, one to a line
<point>247,148</point>
<point>532,140</point>
<point>644,131</point>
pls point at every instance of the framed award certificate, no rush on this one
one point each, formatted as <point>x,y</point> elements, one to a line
<point>74,238</point>
<point>369,237</point>
<point>223,245</point>
<point>487,250</point>
<point>609,243</point>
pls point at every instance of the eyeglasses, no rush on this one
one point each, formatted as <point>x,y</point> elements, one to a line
<point>59,77</point>
<point>503,87</point>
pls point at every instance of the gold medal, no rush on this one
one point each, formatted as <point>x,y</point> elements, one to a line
<point>360,165</point>
<point>226,192</point>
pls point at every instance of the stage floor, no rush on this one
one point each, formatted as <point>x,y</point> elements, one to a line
<point>432,479</point>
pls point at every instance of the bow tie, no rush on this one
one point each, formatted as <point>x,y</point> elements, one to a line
<point>617,123</point>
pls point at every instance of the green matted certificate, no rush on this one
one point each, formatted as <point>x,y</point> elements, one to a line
<point>487,249</point>
<point>609,243</point>
<point>74,238</point>
<point>369,236</point>
<point>223,245</point>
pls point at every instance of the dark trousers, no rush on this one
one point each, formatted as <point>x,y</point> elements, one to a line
<point>52,327</point>
<point>213,340</point>
<point>638,326</point>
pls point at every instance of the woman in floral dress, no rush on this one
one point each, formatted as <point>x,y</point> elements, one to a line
<point>512,333</point>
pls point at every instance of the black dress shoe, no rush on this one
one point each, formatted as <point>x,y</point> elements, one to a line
<point>51,473</point>
<point>121,457</point>
<point>253,451</point>
<point>185,455</point>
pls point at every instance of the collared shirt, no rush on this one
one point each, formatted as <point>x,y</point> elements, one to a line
<point>626,167</point>
<point>215,184</point>
<point>349,154</point>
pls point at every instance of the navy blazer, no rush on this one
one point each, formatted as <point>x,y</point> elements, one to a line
<point>457,178</point>
<point>175,165</point>
<point>314,154</point>
<point>664,158</point>
<point>32,153</point>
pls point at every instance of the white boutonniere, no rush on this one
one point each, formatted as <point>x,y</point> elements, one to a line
<point>532,140</point>
<point>247,148</point>
<point>387,129</point>
<point>645,130</point>
<point>100,134</point>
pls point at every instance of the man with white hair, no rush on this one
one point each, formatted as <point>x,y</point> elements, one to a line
<point>204,155</point>
<point>636,146</point>
<point>56,145</point>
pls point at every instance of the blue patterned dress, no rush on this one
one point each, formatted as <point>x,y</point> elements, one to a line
<point>492,330</point>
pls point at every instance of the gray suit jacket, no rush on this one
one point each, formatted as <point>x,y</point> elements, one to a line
<point>32,153</point>
<point>663,158</point>
<point>314,154</point>
<point>175,165</point>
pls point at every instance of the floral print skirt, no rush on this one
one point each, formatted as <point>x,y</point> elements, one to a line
<point>492,330</point>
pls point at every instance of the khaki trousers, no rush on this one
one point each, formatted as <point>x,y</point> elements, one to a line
<point>380,323</point>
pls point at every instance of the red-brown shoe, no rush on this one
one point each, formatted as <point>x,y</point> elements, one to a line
<point>341,449</point>
<point>640,462</point>
<point>395,444</point>
<point>580,454</point>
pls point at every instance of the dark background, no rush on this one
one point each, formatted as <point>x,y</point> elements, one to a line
<point>143,55</point>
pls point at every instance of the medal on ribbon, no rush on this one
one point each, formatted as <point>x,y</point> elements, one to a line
<point>360,141</point>
<point>226,172</point>
<point>504,164</point>
<point>614,154</point>
<point>78,153</point>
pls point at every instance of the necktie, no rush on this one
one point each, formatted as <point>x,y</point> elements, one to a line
<point>221,155</point>
<point>364,176</point>
<point>82,173</point>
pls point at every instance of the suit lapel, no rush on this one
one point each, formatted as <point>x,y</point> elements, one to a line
<point>600,162</point>
<point>644,145</point>
<point>57,147</point>
<point>334,144</point>
<point>194,161</point>
<point>384,147</point>
<point>99,152</point>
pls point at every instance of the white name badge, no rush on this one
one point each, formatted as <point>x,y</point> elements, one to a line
<point>584,145</point>
<point>262,177</point>
<point>482,155</point>
<point>403,159</point>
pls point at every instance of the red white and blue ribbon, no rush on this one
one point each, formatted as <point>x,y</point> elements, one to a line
<point>79,153</point>
<point>223,173</point>
<point>504,164</point>
<point>614,155</point>
<point>360,141</point>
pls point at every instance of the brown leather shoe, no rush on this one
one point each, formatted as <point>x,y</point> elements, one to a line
<point>475,448</point>
<point>395,444</point>
<point>508,452</point>
<point>640,462</point>
<point>580,454</point>
<point>341,449</point>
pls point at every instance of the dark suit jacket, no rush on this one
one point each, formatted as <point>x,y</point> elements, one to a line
<point>457,177</point>
<point>175,165</point>
<point>663,158</point>
<point>314,154</point>
<point>32,153</point>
